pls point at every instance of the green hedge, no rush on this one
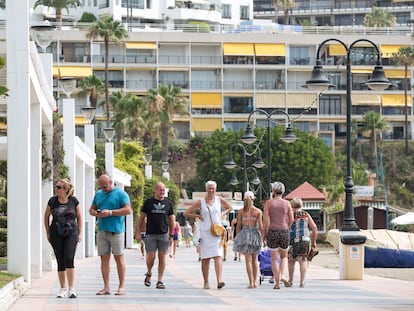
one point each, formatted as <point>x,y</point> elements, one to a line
<point>3,221</point>
<point>3,249</point>
<point>3,235</point>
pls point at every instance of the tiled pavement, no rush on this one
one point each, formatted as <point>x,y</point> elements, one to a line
<point>323,291</point>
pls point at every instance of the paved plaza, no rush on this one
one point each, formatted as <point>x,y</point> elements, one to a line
<point>323,290</point>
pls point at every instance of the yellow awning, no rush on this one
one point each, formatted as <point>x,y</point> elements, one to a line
<point>336,50</point>
<point>366,99</point>
<point>397,73</point>
<point>206,100</point>
<point>76,72</point>
<point>394,100</point>
<point>387,51</point>
<point>206,124</point>
<point>362,71</point>
<point>80,121</point>
<point>300,100</point>
<point>270,100</point>
<point>3,126</point>
<point>238,49</point>
<point>141,45</point>
<point>268,49</point>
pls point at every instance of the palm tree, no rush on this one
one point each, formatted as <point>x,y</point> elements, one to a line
<point>405,57</point>
<point>136,118</point>
<point>58,5</point>
<point>92,86</point>
<point>373,123</point>
<point>110,31</point>
<point>286,6</point>
<point>379,18</point>
<point>169,102</point>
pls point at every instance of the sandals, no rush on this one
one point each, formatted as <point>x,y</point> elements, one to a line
<point>147,281</point>
<point>160,285</point>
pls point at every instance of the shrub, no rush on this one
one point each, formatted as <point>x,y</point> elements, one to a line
<point>3,235</point>
<point>3,221</point>
<point>3,249</point>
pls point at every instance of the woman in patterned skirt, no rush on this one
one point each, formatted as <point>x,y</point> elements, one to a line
<point>248,241</point>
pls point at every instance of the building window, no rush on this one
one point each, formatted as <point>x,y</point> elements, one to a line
<point>226,11</point>
<point>182,130</point>
<point>299,55</point>
<point>135,4</point>
<point>330,105</point>
<point>244,12</point>
<point>234,126</point>
<point>238,104</point>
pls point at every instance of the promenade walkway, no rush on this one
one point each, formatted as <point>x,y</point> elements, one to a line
<point>323,291</point>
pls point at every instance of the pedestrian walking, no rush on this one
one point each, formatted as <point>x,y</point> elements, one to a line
<point>210,211</point>
<point>277,219</point>
<point>248,240</point>
<point>301,240</point>
<point>110,205</point>
<point>159,212</point>
<point>64,233</point>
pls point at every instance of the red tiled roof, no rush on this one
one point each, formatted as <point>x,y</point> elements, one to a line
<point>306,192</point>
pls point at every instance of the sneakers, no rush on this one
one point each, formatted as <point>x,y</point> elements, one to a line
<point>72,294</point>
<point>62,293</point>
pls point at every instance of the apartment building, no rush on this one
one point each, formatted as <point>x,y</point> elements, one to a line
<point>333,12</point>
<point>240,64</point>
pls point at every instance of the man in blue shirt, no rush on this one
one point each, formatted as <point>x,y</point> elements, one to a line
<point>110,205</point>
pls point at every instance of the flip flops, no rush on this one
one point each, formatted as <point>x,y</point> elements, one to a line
<point>120,292</point>
<point>103,292</point>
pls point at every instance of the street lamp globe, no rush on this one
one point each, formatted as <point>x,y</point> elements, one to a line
<point>67,85</point>
<point>378,81</point>
<point>88,113</point>
<point>230,164</point>
<point>248,138</point>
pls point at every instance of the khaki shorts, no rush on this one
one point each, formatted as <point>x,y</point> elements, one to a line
<point>110,242</point>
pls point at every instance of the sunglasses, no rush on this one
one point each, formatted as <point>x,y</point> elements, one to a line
<point>59,187</point>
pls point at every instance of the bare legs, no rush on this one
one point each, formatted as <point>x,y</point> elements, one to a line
<point>252,268</point>
<point>121,269</point>
<point>173,249</point>
<point>277,272</point>
<point>105,269</point>
<point>161,263</point>
<point>218,266</point>
<point>303,266</point>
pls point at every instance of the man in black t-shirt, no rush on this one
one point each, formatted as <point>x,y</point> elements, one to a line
<point>159,213</point>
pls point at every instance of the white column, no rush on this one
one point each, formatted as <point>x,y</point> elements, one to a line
<point>109,159</point>
<point>36,189</point>
<point>19,204</point>
<point>80,194</point>
<point>47,192</point>
<point>69,136</point>
<point>89,228</point>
